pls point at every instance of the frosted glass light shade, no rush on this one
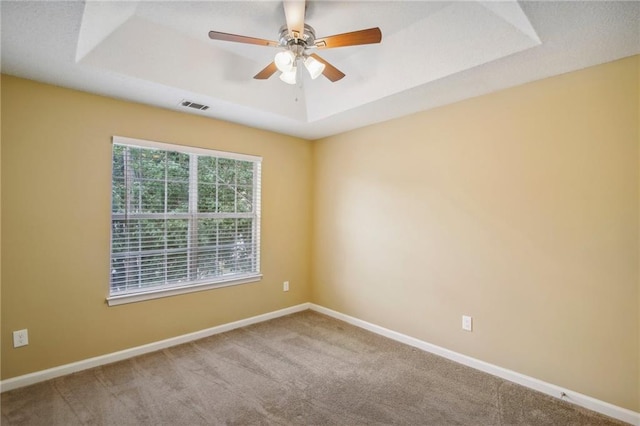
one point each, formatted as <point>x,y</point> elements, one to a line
<point>285,60</point>
<point>314,67</point>
<point>289,77</point>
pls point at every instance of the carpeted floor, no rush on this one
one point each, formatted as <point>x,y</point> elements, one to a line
<point>305,368</point>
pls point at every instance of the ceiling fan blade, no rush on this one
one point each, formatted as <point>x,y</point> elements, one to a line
<point>267,72</point>
<point>294,13</point>
<point>216,35</point>
<point>331,72</point>
<point>368,36</point>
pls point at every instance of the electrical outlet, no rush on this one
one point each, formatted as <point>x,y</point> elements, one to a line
<point>285,286</point>
<point>20,338</point>
<point>467,323</point>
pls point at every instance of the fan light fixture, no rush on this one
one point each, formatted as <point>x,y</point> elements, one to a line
<point>289,77</point>
<point>286,63</point>
<point>285,60</point>
<point>314,66</point>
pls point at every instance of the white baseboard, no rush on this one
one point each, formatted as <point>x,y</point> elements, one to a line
<point>582,400</point>
<point>51,373</point>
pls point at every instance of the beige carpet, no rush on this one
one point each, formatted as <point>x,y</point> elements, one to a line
<point>305,368</point>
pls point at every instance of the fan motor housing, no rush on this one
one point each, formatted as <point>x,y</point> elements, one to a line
<point>306,39</point>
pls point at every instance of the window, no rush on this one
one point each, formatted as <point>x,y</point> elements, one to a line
<point>182,219</point>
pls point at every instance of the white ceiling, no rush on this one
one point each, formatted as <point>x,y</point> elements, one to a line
<point>432,54</point>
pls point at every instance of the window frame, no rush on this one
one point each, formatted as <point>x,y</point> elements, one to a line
<point>154,292</point>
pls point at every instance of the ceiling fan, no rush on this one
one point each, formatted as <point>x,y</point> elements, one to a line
<point>296,40</point>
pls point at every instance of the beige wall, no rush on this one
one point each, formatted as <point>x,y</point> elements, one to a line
<point>56,169</point>
<point>519,208</point>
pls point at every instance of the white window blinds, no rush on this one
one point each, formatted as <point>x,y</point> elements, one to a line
<point>182,217</point>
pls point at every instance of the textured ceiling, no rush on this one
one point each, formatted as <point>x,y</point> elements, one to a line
<point>432,53</point>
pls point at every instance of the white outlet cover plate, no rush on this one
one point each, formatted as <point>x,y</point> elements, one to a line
<point>20,338</point>
<point>467,323</point>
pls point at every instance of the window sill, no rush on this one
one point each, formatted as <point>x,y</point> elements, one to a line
<point>174,291</point>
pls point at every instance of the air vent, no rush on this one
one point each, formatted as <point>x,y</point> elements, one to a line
<point>194,105</point>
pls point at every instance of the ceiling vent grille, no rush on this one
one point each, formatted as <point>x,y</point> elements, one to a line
<point>194,105</point>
